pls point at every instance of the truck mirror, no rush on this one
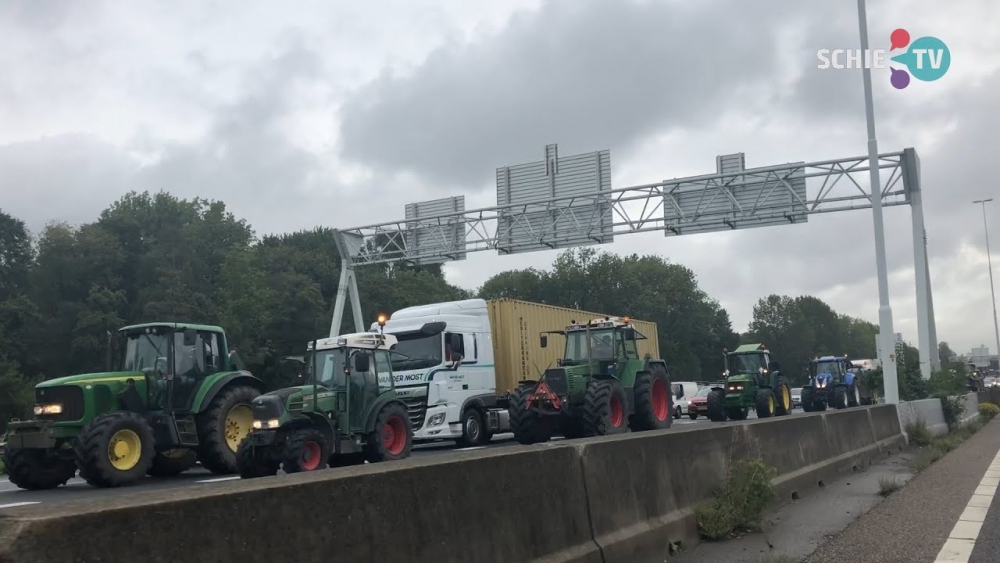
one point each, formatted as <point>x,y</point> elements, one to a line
<point>430,329</point>
<point>456,341</point>
<point>629,333</point>
<point>543,340</point>
<point>361,362</point>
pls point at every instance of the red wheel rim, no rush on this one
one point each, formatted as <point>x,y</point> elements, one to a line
<point>617,413</point>
<point>311,454</point>
<point>660,402</point>
<point>394,436</point>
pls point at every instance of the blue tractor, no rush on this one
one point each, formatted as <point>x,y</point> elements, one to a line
<point>831,382</point>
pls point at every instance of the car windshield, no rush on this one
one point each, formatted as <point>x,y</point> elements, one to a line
<point>703,392</point>
<point>746,363</point>
<point>602,345</point>
<point>416,350</point>
<point>145,351</point>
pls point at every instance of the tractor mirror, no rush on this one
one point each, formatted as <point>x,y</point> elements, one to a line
<point>543,340</point>
<point>190,337</point>
<point>361,362</point>
<point>629,333</point>
<point>430,329</point>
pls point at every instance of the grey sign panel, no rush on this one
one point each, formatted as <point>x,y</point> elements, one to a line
<point>433,235</point>
<point>736,198</point>
<point>529,221</point>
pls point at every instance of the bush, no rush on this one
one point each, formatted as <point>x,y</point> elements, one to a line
<point>918,432</point>
<point>988,410</point>
<point>953,409</point>
<point>739,505</point>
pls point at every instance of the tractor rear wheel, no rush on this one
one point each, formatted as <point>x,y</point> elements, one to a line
<point>392,437</point>
<point>115,449</point>
<point>305,450</point>
<point>36,469</point>
<point>839,398</point>
<point>223,426</point>
<point>255,461</point>
<point>783,399</point>
<point>172,462</point>
<point>528,427</point>
<point>807,399</point>
<point>854,395</point>
<point>653,407</point>
<point>604,409</point>
<point>717,405</point>
<point>765,403</point>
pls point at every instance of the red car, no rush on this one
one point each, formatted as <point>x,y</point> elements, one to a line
<point>699,403</point>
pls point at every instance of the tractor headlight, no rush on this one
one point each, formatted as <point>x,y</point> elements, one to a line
<point>52,408</point>
<point>821,383</point>
<point>735,387</point>
<point>266,424</point>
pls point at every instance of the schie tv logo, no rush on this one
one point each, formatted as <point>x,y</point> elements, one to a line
<point>927,58</point>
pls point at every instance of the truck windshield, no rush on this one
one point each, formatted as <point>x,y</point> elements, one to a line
<point>330,367</point>
<point>745,363</point>
<point>602,343</point>
<point>145,351</point>
<point>416,350</point>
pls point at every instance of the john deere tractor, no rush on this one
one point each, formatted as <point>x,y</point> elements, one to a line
<point>831,382</point>
<point>176,399</point>
<point>753,381</point>
<point>600,386</point>
<point>347,412</point>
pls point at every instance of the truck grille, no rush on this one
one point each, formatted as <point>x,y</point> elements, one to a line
<point>417,409</point>
<point>69,396</point>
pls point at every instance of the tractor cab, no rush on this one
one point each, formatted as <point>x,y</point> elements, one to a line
<point>750,362</point>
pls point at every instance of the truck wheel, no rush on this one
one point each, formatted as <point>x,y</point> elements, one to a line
<point>783,404</point>
<point>604,409</point>
<point>223,426</point>
<point>807,400</point>
<point>36,469</point>
<point>255,461</point>
<point>115,449</point>
<point>839,398</point>
<point>652,399</point>
<point>172,462</point>
<point>765,403</point>
<point>528,427</point>
<point>305,450</point>
<point>392,437</point>
<point>473,429</point>
<point>854,397</point>
<point>717,405</point>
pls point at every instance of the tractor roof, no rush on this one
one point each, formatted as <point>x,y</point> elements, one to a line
<point>171,326</point>
<point>748,348</point>
<point>827,359</point>
<point>369,340</point>
<point>606,322</point>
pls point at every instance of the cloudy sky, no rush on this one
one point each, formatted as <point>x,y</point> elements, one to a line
<point>337,113</point>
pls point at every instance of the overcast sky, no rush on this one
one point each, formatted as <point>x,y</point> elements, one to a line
<point>337,113</point>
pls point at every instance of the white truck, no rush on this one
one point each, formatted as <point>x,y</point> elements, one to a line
<point>458,361</point>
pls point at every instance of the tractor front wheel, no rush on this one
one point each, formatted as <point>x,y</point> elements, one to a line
<point>36,469</point>
<point>839,398</point>
<point>305,450</point>
<point>604,410</point>
<point>653,399</point>
<point>528,427</point>
<point>223,426</point>
<point>172,462</point>
<point>392,437</point>
<point>115,449</point>
<point>717,405</point>
<point>255,461</point>
<point>783,403</point>
<point>807,399</point>
<point>765,403</point>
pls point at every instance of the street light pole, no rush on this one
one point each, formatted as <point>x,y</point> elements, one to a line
<point>886,334</point>
<point>989,261</point>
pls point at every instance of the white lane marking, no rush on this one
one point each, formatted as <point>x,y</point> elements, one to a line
<point>962,539</point>
<point>14,504</point>
<point>218,479</point>
<point>469,449</point>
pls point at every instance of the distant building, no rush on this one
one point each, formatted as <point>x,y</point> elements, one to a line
<point>982,358</point>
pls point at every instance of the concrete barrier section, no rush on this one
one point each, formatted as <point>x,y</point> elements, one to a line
<point>928,410</point>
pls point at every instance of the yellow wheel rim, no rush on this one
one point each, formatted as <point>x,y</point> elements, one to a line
<point>239,422</point>
<point>124,450</point>
<point>770,404</point>
<point>786,398</point>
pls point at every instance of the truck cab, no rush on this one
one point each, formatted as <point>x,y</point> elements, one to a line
<point>444,371</point>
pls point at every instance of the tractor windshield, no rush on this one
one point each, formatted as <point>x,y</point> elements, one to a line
<point>833,368</point>
<point>145,351</point>
<point>329,365</point>
<point>416,350</point>
<point>602,345</point>
<point>746,363</point>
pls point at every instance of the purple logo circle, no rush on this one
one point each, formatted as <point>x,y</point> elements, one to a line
<point>900,79</point>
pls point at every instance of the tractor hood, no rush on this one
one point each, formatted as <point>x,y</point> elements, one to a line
<point>739,378</point>
<point>87,378</point>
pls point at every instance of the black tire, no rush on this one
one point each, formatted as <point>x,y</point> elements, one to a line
<point>782,399</point>
<point>807,399</point>
<point>528,427</point>
<point>172,462</point>
<point>693,415</point>
<point>305,450</point>
<point>605,409</point>
<point>854,395</point>
<point>473,429</point>
<point>653,400</point>
<point>678,412</point>
<point>838,399</point>
<point>93,449</point>
<point>37,469</point>
<point>394,421</point>
<point>255,461</point>
<point>215,453</point>
<point>765,403</point>
<point>717,405</point>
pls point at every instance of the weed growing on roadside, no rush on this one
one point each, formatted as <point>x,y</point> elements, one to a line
<point>919,433</point>
<point>937,448</point>
<point>887,486</point>
<point>739,504</point>
<point>988,410</point>
<point>952,408</point>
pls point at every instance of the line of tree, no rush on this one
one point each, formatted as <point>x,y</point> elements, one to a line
<point>160,258</point>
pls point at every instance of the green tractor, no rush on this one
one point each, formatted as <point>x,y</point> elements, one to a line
<point>347,412</point>
<point>600,386</point>
<point>177,399</point>
<point>753,381</point>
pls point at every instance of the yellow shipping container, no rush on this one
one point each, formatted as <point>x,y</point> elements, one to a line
<point>517,352</point>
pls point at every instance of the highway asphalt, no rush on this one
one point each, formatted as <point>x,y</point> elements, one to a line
<point>78,490</point>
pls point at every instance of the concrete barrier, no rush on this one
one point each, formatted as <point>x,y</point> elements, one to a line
<point>612,499</point>
<point>928,410</point>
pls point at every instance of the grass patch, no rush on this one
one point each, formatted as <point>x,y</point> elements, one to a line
<point>937,448</point>
<point>738,506</point>
<point>919,433</point>
<point>887,486</point>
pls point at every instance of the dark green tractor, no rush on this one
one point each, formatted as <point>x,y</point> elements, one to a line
<point>600,386</point>
<point>347,412</point>
<point>753,381</point>
<point>176,399</point>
